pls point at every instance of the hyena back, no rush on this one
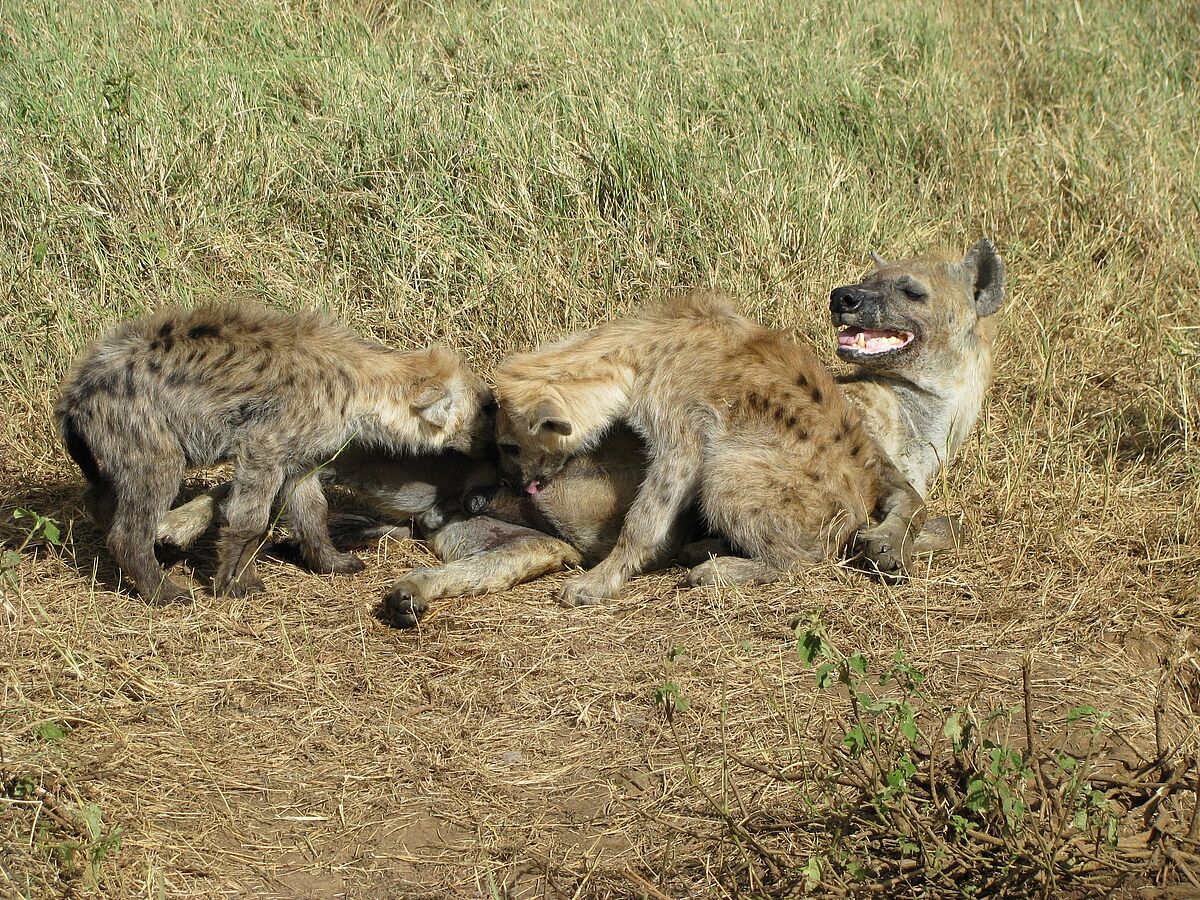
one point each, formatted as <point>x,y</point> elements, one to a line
<point>278,395</point>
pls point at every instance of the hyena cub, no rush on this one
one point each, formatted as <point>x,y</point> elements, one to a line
<point>735,415</point>
<point>276,394</point>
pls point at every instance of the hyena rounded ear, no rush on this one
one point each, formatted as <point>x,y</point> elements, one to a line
<point>548,417</point>
<point>879,261</point>
<point>984,269</point>
<point>432,402</point>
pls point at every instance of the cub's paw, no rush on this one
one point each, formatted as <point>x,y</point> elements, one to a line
<point>727,570</point>
<point>171,594</point>
<point>339,564</point>
<point>884,552</point>
<point>405,604</point>
<point>240,587</point>
<point>586,590</point>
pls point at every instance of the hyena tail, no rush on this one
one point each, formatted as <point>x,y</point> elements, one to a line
<point>81,451</point>
<point>98,496</point>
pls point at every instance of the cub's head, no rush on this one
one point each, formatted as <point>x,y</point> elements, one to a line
<point>538,424</point>
<point>453,407</point>
<point>535,441</point>
<point>917,315</point>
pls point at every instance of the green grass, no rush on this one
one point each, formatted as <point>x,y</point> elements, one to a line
<point>491,174</point>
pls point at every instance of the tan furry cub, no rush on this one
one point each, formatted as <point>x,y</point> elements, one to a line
<point>277,394</point>
<point>734,414</point>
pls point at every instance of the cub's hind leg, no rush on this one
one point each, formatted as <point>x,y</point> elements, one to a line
<point>482,555</point>
<point>665,494</point>
<point>308,512</point>
<point>142,494</point>
<point>256,481</point>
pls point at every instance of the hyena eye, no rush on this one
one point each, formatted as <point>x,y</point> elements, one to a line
<point>913,293</point>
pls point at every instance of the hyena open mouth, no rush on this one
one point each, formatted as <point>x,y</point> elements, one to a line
<point>855,341</point>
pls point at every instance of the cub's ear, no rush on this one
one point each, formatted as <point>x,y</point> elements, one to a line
<point>984,269</point>
<point>546,416</point>
<point>432,402</point>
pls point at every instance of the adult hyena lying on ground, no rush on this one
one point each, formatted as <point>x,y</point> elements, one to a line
<point>278,395</point>
<point>924,363</point>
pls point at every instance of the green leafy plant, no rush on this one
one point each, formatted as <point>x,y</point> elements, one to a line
<point>40,527</point>
<point>936,797</point>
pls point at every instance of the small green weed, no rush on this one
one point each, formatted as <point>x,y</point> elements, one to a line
<point>41,527</point>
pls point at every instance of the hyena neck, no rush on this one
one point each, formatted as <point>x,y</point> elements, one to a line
<point>942,408</point>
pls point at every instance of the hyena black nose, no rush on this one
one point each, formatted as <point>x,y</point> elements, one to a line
<point>845,300</point>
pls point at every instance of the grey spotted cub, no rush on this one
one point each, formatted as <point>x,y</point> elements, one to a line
<point>277,395</point>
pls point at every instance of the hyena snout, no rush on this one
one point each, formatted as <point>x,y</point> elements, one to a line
<point>851,300</point>
<point>478,438</point>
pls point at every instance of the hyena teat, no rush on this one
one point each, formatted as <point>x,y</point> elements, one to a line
<point>278,395</point>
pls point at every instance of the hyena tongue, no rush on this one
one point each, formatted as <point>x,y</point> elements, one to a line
<point>533,487</point>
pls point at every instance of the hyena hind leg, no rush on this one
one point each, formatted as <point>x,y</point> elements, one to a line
<point>141,501</point>
<point>248,514</point>
<point>354,532</point>
<point>727,570</point>
<point>483,556</point>
<point>101,503</point>
<point>185,524</point>
<point>308,512</point>
<point>939,533</point>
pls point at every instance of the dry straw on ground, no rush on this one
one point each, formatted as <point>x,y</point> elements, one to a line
<point>490,175</point>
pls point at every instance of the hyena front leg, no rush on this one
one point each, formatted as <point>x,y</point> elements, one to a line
<point>308,512</point>
<point>669,486</point>
<point>248,513</point>
<point>887,548</point>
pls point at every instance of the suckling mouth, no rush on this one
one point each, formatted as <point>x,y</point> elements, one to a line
<point>872,341</point>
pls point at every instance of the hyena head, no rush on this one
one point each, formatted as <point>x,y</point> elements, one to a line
<point>454,407</point>
<point>919,316</point>
<point>535,441</point>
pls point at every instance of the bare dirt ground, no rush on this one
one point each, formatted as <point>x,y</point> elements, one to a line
<point>292,744</point>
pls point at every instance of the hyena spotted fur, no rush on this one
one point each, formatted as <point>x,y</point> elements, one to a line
<point>735,415</point>
<point>278,395</point>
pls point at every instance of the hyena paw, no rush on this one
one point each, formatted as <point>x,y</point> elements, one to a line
<point>239,587</point>
<point>586,590</point>
<point>405,604</point>
<point>702,575</point>
<point>171,594</point>
<point>884,552</point>
<point>339,564</point>
<point>725,570</point>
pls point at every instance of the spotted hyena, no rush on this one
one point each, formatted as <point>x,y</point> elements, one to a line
<point>278,395</point>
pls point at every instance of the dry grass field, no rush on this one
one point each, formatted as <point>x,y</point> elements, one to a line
<point>491,174</point>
